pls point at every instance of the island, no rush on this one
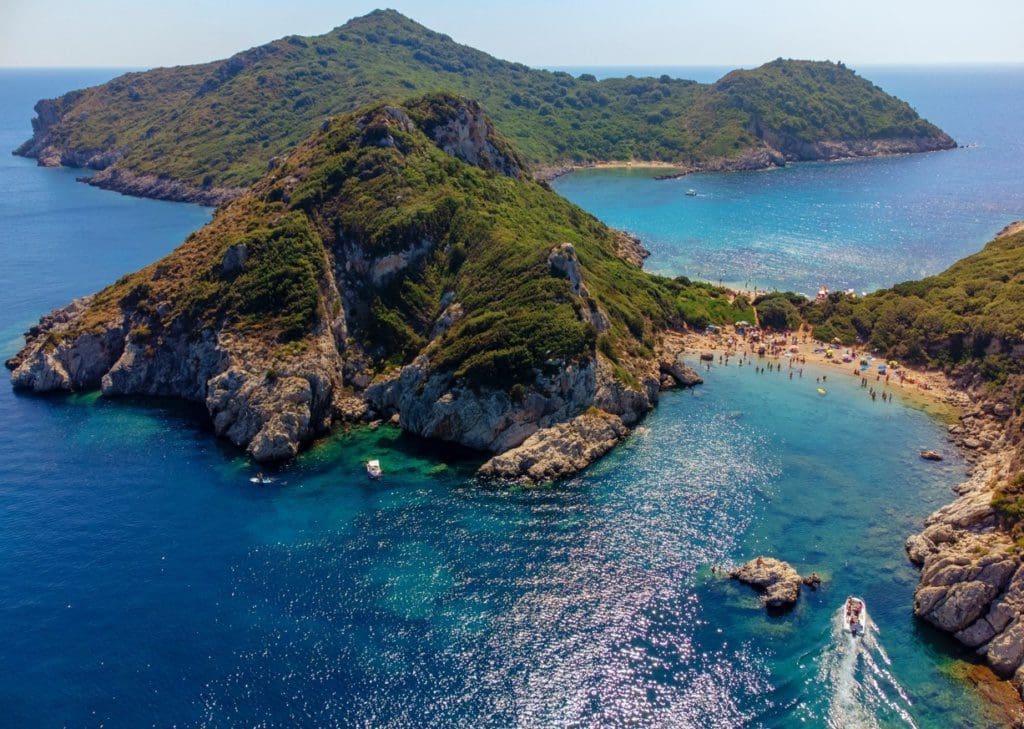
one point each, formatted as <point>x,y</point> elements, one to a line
<point>206,132</point>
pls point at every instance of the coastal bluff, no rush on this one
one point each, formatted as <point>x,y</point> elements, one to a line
<point>972,572</point>
<point>484,310</point>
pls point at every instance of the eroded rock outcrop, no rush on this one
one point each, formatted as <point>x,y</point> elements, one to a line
<point>560,450</point>
<point>972,576</point>
<point>775,579</point>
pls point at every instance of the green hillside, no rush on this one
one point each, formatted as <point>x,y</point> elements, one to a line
<point>374,187</point>
<point>220,124</point>
<point>971,313</point>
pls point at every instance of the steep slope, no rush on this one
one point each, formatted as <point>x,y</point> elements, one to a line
<point>204,132</point>
<point>399,261</point>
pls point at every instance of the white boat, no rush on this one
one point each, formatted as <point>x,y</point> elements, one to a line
<point>855,616</point>
<point>373,469</point>
<point>691,193</point>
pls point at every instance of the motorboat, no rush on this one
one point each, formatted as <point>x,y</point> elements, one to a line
<point>373,469</point>
<point>691,193</point>
<point>855,616</point>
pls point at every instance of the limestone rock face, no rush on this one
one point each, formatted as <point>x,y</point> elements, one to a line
<point>777,580</point>
<point>558,451</point>
<point>271,414</point>
<point>972,581</point>
<point>433,406</point>
<point>76,362</point>
<point>681,374</point>
<point>630,249</point>
<point>468,134</point>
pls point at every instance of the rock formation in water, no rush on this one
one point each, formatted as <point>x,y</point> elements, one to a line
<point>398,263</point>
<point>775,579</point>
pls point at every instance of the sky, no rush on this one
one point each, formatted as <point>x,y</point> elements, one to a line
<point>147,33</point>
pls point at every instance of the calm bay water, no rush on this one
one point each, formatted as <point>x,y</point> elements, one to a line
<point>146,581</point>
<point>859,224</point>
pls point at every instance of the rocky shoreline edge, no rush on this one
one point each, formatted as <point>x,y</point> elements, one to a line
<point>109,175</point>
<point>972,574</point>
<point>764,158</point>
<point>534,441</point>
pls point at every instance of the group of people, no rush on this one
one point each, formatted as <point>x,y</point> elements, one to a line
<point>776,347</point>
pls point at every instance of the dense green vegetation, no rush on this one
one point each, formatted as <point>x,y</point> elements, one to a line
<point>971,313</point>
<point>374,189</point>
<point>219,124</point>
<point>1008,502</point>
<point>795,103</point>
<point>779,311</point>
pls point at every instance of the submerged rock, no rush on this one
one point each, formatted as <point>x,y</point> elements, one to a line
<point>777,580</point>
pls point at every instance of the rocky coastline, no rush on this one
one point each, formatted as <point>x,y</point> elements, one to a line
<point>566,422</point>
<point>766,157</point>
<point>972,574</point>
<point>111,174</point>
<point>164,330</point>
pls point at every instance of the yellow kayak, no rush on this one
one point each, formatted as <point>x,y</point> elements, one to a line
<point>822,390</point>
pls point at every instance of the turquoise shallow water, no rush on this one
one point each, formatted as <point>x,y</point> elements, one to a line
<point>146,581</point>
<point>857,224</point>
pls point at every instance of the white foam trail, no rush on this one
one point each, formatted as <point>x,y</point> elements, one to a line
<point>862,687</point>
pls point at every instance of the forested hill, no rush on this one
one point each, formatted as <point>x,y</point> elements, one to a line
<point>203,132</point>
<point>970,314</point>
<point>399,236</point>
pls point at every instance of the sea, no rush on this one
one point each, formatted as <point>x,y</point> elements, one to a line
<point>145,581</point>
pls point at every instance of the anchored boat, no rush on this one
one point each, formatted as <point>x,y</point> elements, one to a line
<point>373,469</point>
<point>855,616</point>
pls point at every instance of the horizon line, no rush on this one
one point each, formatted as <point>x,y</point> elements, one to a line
<point>581,66</point>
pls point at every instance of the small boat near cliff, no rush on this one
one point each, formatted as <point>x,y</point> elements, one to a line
<point>855,616</point>
<point>691,193</point>
<point>373,469</point>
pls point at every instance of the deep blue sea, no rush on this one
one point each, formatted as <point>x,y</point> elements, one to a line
<point>144,580</point>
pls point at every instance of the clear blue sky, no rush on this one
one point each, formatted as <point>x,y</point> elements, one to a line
<point>148,33</point>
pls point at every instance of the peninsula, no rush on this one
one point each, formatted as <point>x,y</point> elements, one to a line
<point>398,263</point>
<point>204,133</point>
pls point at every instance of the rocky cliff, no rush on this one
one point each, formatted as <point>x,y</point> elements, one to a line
<point>972,571</point>
<point>400,262</point>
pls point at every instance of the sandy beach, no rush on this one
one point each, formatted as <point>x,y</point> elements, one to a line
<point>793,352</point>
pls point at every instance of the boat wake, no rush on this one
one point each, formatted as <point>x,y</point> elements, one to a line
<point>863,690</point>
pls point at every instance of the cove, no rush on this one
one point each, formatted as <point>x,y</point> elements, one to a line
<point>146,580</point>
